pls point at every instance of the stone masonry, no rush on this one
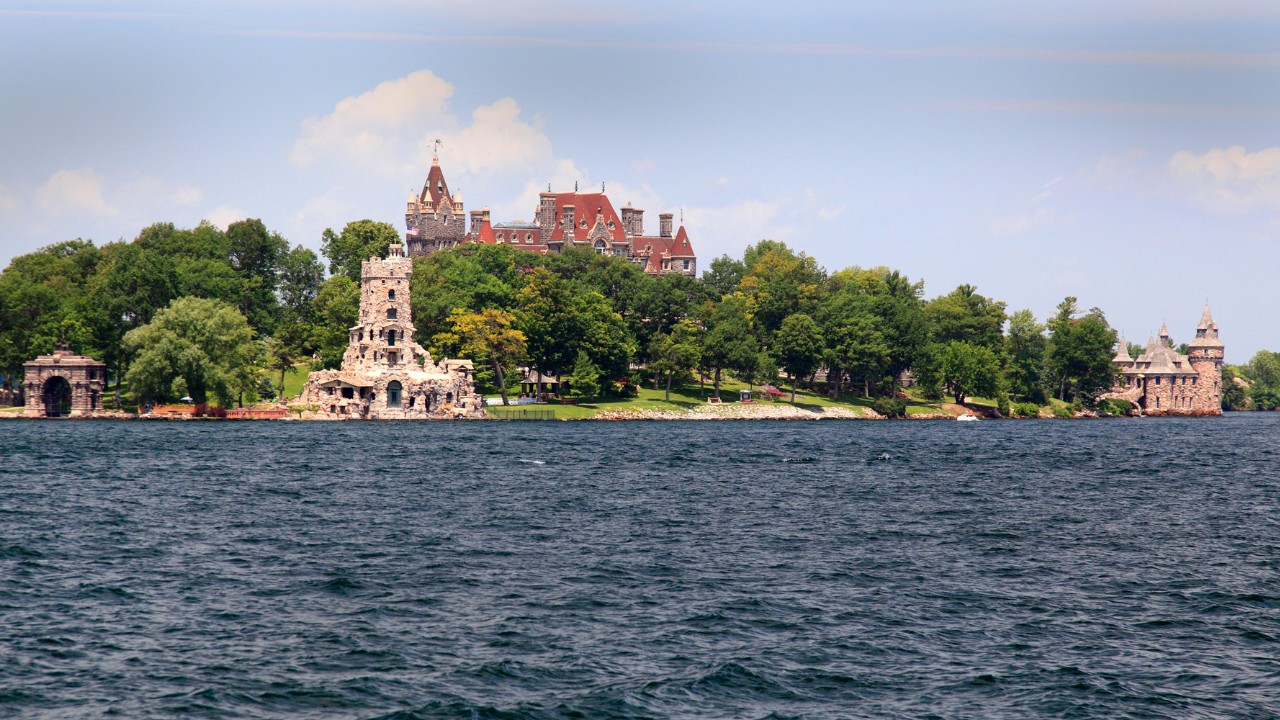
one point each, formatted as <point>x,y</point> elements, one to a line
<point>63,384</point>
<point>1161,381</point>
<point>385,375</point>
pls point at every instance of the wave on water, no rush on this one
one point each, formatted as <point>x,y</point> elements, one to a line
<point>651,570</point>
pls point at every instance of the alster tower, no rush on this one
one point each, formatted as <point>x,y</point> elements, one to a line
<point>385,374</point>
<point>1205,355</point>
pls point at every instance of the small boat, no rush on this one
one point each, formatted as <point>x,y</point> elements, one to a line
<point>967,418</point>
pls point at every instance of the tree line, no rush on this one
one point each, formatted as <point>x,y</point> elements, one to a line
<point>209,313</point>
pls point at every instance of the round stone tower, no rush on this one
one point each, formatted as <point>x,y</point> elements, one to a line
<point>1205,356</point>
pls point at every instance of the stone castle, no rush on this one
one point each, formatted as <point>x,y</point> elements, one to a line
<point>385,375</point>
<point>435,220</point>
<point>1162,381</point>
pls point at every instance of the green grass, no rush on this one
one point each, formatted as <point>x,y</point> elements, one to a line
<point>687,396</point>
<point>294,379</point>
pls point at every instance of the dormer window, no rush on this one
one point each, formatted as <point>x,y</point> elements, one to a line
<point>582,224</point>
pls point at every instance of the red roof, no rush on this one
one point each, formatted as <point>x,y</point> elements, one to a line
<point>485,233</point>
<point>435,187</point>
<point>586,206</point>
<point>663,248</point>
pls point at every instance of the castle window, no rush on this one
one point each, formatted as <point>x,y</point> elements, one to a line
<point>448,397</point>
<point>1157,399</point>
<point>1193,382</point>
<point>528,238</point>
<point>391,313</point>
<point>348,393</point>
<point>411,399</point>
<point>1157,381</point>
<point>391,337</point>
<point>391,294</point>
<point>393,394</point>
<point>582,223</point>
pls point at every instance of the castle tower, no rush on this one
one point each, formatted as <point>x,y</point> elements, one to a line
<point>1205,354</point>
<point>435,219</point>
<point>383,336</point>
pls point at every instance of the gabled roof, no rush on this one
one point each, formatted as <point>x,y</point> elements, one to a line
<point>586,206</point>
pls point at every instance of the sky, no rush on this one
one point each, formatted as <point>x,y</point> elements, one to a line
<point>1125,153</point>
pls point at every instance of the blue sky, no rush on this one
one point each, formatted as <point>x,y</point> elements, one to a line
<point>1122,152</point>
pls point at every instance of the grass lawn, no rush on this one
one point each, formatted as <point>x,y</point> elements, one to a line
<point>687,396</point>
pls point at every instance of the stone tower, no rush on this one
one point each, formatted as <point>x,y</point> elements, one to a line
<point>383,336</point>
<point>1205,356</point>
<point>434,219</point>
<point>385,375</point>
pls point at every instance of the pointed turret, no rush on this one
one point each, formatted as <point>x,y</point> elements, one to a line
<point>1206,331</point>
<point>1164,335</point>
<point>1122,353</point>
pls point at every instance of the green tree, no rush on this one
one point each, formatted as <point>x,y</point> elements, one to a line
<point>964,315</point>
<point>279,357</point>
<point>1263,370</point>
<point>723,276</point>
<point>489,337</point>
<point>337,308</point>
<point>207,344</point>
<point>1080,352</point>
<point>674,352</point>
<point>728,342</point>
<point>256,254</point>
<point>1025,347</point>
<point>358,241</point>
<point>778,282</point>
<point>1234,396</point>
<point>584,381</point>
<point>964,369</point>
<point>799,348</point>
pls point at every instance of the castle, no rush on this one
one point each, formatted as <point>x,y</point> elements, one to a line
<point>385,375</point>
<point>435,220</point>
<point>1161,381</point>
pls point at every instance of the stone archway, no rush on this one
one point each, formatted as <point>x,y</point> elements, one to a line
<point>55,396</point>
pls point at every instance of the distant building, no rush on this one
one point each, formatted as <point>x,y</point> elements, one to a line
<point>435,220</point>
<point>385,375</point>
<point>1161,381</point>
<point>63,384</point>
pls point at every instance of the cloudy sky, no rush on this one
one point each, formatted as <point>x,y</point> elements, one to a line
<point>1123,152</point>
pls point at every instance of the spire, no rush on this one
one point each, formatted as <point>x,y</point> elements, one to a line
<point>1122,352</point>
<point>1206,319</point>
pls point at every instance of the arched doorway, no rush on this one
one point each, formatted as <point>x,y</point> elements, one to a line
<point>393,394</point>
<point>56,397</point>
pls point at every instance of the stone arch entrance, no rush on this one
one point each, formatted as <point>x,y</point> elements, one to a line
<point>55,396</point>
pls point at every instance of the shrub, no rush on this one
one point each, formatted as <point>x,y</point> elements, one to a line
<point>1112,407</point>
<point>1002,403</point>
<point>1064,412</point>
<point>218,412</point>
<point>890,407</point>
<point>1026,409</point>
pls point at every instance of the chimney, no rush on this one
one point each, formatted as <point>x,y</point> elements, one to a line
<point>569,227</point>
<point>547,212</point>
<point>632,221</point>
<point>664,225</point>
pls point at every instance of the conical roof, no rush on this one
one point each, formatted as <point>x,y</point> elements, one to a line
<point>1122,352</point>
<point>1206,331</point>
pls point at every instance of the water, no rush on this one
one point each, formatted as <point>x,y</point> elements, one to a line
<point>1092,569</point>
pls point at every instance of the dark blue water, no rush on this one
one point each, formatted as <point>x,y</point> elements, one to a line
<point>1090,569</point>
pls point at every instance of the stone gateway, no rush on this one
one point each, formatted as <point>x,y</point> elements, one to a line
<point>385,375</point>
<point>63,384</point>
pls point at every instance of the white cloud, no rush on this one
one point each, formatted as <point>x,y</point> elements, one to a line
<point>186,196</point>
<point>74,190</point>
<point>643,165</point>
<point>224,215</point>
<point>728,229</point>
<point>9,204</point>
<point>1230,179</point>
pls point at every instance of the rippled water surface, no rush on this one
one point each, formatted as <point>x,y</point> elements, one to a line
<point>1104,569</point>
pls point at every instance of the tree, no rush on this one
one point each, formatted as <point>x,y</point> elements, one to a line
<point>858,347</point>
<point>358,241</point>
<point>560,318</point>
<point>728,342</point>
<point>1080,352</point>
<point>965,369</point>
<point>778,282</point>
<point>674,352</point>
<point>1263,371</point>
<point>1234,396</point>
<point>207,344</point>
<point>964,315</point>
<point>723,276</point>
<point>1025,347</point>
<point>279,356</point>
<point>337,308</point>
<point>584,381</point>
<point>488,336</point>
<point>255,254</point>
<point>799,348</point>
